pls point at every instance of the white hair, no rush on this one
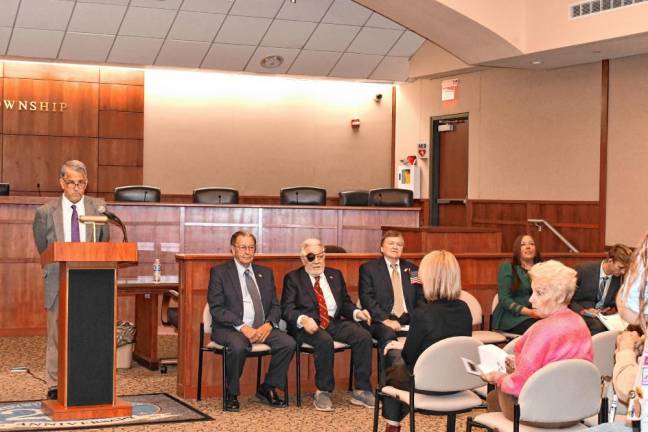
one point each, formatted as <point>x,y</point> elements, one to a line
<point>309,242</point>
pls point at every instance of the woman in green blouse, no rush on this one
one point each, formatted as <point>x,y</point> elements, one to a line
<point>513,313</point>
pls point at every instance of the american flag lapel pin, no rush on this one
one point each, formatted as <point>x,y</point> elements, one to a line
<point>406,269</point>
<point>414,279</point>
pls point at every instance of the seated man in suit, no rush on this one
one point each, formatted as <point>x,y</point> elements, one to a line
<point>245,310</point>
<point>597,286</point>
<point>387,291</point>
<point>314,303</point>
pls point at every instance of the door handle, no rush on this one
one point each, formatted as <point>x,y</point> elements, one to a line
<point>451,201</point>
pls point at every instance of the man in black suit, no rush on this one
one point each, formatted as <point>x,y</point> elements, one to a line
<point>245,310</point>
<point>597,286</point>
<point>390,291</point>
<point>314,303</point>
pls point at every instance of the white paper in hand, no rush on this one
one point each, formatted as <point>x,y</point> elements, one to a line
<point>492,359</point>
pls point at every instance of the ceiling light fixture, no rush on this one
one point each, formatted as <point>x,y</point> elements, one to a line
<point>536,62</point>
<point>272,61</point>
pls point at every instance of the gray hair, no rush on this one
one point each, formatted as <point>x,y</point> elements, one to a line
<point>309,242</point>
<point>74,165</point>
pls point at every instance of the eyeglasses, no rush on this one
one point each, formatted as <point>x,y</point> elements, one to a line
<point>246,248</point>
<point>80,184</point>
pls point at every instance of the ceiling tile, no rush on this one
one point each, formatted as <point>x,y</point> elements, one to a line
<point>288,34</point>
<point>160,4</point>
<point>147,22</point>
<point>256,8</point>
<point>355,65</point>
<point>242,30</point>
<point>228,57</point>
<point>182,53</point>
<point>304,10</point>
<point>44,14</point>
<point>137,50</point>
<point>347,12</point>
<point>5,34</point>
<point>35,43</point>
<point>392,69</point>
<point>196,26</point>
<point>212,6</point>
<point>9,8</point>
<point>114,2</point>
<point>332,37</point>
<point>407,45</point>
<point>96,18</point>
<point>86,47</point>
<point>380,21</point>
<point>255,63</point>
<point>314,63</point>
<point>374,41</point>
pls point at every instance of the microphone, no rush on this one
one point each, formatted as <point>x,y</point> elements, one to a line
<point>379,198</point>
<point>145,192</point>
<point>219,199</point>
<point>38,188</point>
<point>113,217</point>
<point>297,200</point>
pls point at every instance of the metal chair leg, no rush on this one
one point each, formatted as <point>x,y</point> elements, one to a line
<point>298,369</point>
<point>376,410</point>
<point>200,368</point>
<point>351,372</point>
<point>469,424</point>
<point>259,364</point>
<point>450,424</point>
<point>224,373</point>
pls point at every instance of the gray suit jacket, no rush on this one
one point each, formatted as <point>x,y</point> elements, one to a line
<point>48,228</point>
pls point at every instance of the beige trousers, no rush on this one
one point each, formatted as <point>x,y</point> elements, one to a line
<point>51,355</point>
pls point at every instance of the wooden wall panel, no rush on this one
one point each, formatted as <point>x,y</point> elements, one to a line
<point>117,124</point>
<point>30,159</point>
<point>111,75</point>
<point>122,152</point>
<point>121,97</point>
<point>79,119</point>
<point>112,176</point>
<point>51,71</point>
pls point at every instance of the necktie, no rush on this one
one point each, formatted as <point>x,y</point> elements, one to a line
<point>323,310</point>
<point>397,286</point>
<point>76,236</point>
<point>255,295</point>
<point>601,291</point>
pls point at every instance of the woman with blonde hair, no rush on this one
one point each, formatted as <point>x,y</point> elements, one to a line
<point>443,316</point>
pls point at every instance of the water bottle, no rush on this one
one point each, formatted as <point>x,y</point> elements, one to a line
<point>157,270</point>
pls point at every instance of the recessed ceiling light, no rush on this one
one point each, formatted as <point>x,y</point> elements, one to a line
<point>536,62</point>
<point>596,52</point>
<point>272,61</point>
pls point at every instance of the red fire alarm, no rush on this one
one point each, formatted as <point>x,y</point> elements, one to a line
<point>355,123</point>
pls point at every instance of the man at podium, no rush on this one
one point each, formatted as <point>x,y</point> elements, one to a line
<point>57,221</point>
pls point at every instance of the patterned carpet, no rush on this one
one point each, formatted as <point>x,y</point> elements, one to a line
<point>30,352</point>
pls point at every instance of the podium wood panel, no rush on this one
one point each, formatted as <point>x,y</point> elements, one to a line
<point>453,239</point>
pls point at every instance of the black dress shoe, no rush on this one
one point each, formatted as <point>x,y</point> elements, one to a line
<point>52,393</point>
<point>232,404</point>
<point>269,395</point>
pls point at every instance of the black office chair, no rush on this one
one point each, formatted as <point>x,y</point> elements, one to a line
<point>334,249</point>
<point>354,198</point>
<point>389,197</point>
<point>4,188</point>
<point>137,193</point>
<point>303,195</point>
<point>215,195</point>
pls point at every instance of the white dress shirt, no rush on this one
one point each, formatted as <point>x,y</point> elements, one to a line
<point>67,218</point>
<point>248,307</point>
<point>397,270</point>
<point>331,304</point>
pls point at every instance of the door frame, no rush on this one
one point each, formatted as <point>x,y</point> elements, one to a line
<point>434,166</point>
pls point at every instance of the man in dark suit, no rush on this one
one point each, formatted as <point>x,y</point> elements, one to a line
<point>58,221</point>
<point>387,290</point>
<point>597,286</point>
<point>314,303</point>
<point>245,311</point>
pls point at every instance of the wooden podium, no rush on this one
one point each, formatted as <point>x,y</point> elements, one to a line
<point>86,327</point>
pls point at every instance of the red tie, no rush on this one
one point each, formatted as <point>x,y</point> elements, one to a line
<point>323,310</point>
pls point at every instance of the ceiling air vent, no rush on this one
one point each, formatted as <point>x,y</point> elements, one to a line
<point>592,7</point>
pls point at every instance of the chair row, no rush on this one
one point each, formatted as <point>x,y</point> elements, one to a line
<point>303,195</point>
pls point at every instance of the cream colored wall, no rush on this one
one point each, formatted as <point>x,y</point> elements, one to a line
<point>532,134</point>
<point>258,134</point>
<point>627,201</point>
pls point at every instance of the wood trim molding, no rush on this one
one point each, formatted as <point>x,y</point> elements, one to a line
<point>393,139</point>
<point>605,105</point>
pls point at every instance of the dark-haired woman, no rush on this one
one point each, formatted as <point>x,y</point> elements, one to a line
<point>513,313</point>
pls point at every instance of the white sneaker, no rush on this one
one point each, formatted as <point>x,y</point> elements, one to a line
<point>363,398</point>
<point>322,401</point>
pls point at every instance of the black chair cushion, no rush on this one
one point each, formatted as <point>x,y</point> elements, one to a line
<point>137,193</point>
<point>354,198</point>
<point>391,197</point>
<point>305,195</point>
<point>214,195</point>
<point>4,188</point>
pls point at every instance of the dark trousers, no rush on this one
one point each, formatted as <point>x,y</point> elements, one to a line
<point>393,409</point>
<point>282,349</point>
<point>384,335</point>
<point>594,325</point>
<point>350,333</point>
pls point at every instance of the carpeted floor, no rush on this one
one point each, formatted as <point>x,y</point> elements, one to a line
<point>30,352</point>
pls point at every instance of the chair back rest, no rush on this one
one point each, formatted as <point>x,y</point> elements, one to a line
<point>603,346</point>
<point>510,347</point>
<point>390,197</point>
<point>473,305</point>
<point>562,391</point>
<point>139,193</point>
<point>440,369</point>
<point>494,303</point>
<point>4,188</point>
<point>207,320</point>
<point>354,198</point>
<point>215,195</point>
<point>334,249</point>
<point>303,195</point>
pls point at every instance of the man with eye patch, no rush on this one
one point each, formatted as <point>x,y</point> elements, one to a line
<point>318,310</point>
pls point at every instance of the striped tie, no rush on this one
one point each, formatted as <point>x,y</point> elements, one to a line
<point>323,310</point>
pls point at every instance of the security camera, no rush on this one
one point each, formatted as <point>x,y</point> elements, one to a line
<point>378,97</point>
